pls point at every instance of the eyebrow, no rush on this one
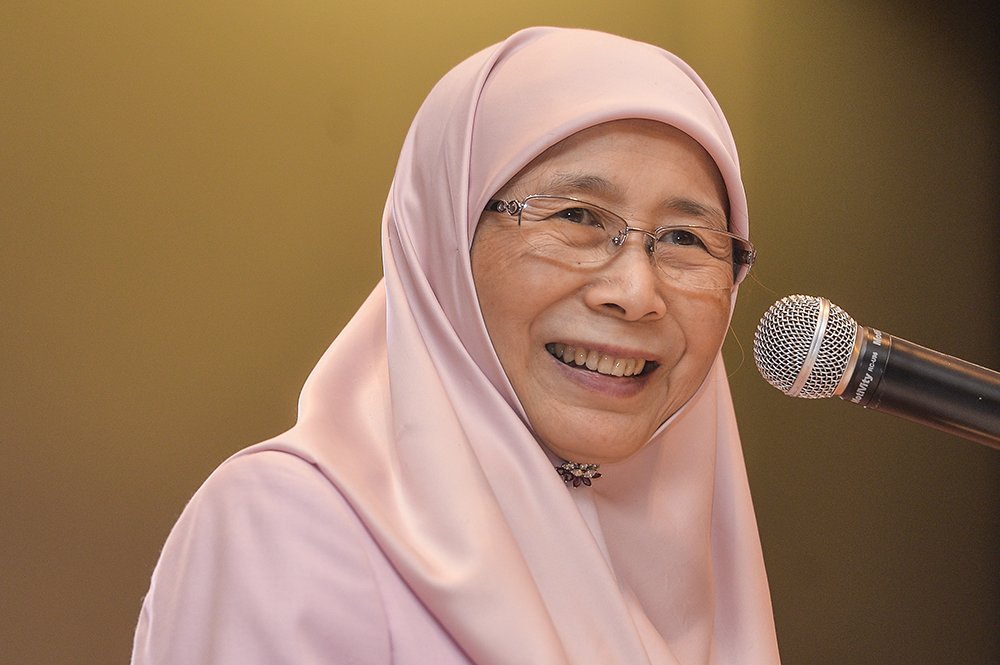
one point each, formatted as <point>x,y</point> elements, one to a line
<point>580,183</point>
<point>585,183</point>
<point>690,208</point>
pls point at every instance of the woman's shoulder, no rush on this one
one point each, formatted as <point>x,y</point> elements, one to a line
<point>260,492</point>
<point>268,562</point>
<point>285,475</point>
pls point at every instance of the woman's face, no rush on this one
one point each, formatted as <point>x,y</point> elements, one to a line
<point>650,174</point>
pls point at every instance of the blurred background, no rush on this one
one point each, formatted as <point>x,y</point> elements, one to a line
<point>190,198</point>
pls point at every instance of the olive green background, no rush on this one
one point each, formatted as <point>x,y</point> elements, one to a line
<point>190,197</point>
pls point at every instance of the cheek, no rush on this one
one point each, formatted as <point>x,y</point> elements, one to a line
<point>705,326</point>
<point>501,288</point>
<point>512,284</point>
<point>495,280</point>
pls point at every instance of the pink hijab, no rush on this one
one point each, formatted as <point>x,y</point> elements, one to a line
<point>410,415</point>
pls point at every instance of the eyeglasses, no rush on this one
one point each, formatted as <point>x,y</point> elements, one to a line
<point>575,232</point>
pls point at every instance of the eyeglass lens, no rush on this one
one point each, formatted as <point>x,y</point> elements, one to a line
<point>576,232</point>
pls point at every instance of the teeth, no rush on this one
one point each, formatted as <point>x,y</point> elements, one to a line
<point>606,365</point>
<point>597,362</point>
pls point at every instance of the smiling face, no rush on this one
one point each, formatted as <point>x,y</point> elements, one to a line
<point>645,344</point>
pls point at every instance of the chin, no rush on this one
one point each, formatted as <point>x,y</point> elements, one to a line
<point>593,453</point>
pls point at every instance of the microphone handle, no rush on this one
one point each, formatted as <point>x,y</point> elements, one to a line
<point>910,381</point>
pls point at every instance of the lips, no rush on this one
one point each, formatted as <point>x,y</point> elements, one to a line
<point>596,361</point>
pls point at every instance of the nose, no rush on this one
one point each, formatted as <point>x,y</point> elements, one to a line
<point>629,284</point>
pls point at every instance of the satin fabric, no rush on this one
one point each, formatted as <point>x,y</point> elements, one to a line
<point>411,421</point>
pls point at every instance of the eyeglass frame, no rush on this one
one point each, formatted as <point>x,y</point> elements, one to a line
<point>514,207</point>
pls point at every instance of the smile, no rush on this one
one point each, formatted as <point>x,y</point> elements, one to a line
<point>595,361</point>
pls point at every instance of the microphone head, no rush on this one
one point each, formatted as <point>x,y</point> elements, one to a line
<point>803,346</point>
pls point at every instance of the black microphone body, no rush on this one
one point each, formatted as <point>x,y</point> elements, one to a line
<point>910,381</point>
<point>808,347</point>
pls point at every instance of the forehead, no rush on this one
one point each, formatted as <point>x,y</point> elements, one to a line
<point>642,165</point>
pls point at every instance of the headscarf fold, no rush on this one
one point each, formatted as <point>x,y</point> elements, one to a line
<point>410,414</point>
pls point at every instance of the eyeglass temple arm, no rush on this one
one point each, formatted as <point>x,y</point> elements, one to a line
<point>511,207</point>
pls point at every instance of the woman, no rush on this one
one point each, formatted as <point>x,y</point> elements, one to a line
<point>439,499</point>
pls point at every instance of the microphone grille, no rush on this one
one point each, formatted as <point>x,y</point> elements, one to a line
<point>786,342</point>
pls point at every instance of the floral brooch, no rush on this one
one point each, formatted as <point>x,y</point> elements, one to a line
<point>578,474</point>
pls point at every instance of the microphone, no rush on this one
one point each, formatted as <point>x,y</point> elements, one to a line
<point>808,347</point>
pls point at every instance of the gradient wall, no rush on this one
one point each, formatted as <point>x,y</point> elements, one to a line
<point>190,195</point>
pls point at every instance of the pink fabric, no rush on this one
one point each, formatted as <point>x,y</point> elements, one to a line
<point>269,565</point>
<point>410,419</point>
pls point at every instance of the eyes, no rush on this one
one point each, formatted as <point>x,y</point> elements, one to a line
<point>599,219</point>
<point>582,216</point>
<point>682,238</point>
<point>577,233</point>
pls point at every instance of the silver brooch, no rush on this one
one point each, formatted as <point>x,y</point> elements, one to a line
<point>579,474</point>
